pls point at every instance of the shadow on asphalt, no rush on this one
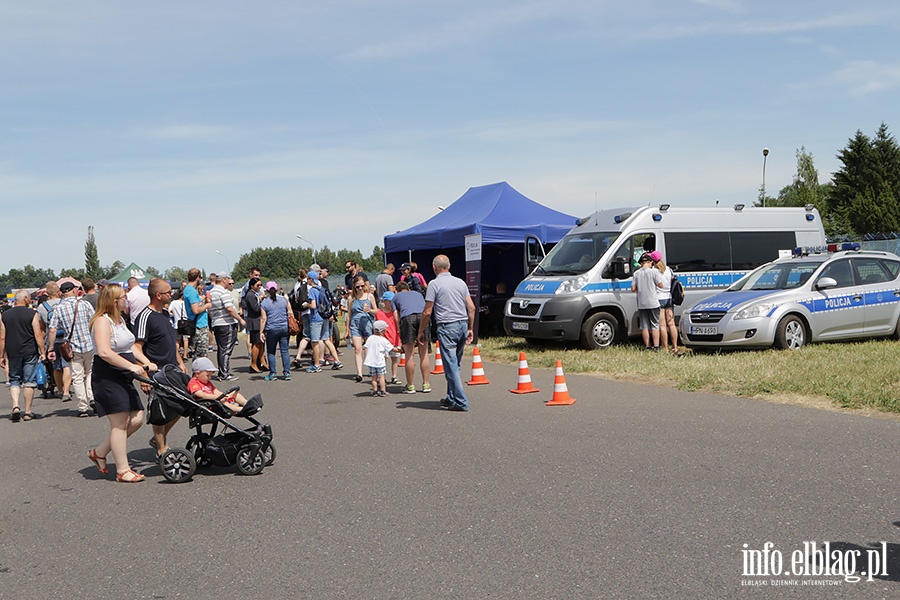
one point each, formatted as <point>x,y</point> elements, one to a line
<point>427,405</point>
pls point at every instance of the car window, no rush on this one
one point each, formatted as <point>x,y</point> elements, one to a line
<point>840,272</point>
<point>893,267</point>
<point>870,270</point>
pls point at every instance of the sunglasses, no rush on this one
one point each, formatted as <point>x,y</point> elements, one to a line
<point>359,287</point>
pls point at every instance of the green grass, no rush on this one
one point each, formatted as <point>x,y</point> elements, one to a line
<point>851,375</point>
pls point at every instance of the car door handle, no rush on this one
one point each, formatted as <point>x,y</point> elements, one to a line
<point>897,293</point>
<point>857,298</point>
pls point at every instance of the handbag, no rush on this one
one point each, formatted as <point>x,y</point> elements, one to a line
<point>293,325</point>
<point>65,348</point>
<point>187,327</point>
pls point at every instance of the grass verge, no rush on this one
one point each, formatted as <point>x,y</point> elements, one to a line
<point>860,375</point>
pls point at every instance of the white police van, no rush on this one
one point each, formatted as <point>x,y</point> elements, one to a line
<point>812,297</point>
<point>582,289</point>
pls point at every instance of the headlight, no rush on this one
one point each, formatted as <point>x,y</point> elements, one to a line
<point>572,285</point>
<point>755,310</point>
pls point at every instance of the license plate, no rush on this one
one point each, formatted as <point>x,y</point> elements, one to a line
<point>704,330</point>
<point>520,325</point>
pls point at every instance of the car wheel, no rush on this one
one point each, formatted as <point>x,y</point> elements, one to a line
<point>791,334</point>
<point>599,331</point>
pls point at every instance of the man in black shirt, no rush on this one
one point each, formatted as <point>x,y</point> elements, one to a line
<point>21,349</point>
<point>156,345</point>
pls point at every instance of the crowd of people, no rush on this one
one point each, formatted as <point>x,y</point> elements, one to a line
<point>93,341</point>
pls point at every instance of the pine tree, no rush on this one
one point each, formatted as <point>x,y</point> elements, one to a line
<point>91,259</point>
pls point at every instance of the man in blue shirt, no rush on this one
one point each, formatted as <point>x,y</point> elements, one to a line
<point>196,306</point>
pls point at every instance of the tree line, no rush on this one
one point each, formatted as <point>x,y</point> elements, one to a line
<point>863,196</point>
<point>275,263</point>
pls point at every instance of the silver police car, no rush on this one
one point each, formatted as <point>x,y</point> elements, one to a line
<point>808,298</point>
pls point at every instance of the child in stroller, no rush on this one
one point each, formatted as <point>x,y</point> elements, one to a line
<point>202,389</point>
<point>250,449</point>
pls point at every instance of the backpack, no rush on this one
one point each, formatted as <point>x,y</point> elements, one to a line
<point>326,308</point>
<point>677,291</point>
<point>299,296</point>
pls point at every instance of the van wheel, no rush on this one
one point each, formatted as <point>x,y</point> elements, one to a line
<point>791,334</point>
<point>599,331</point>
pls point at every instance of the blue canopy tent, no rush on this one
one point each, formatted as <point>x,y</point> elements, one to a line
<point>502,216</point>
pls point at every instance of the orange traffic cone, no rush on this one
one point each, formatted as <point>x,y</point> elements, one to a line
<point>438,363</point>
<point>402,360</point>
<point>524,386</point>
<point>560,391</point>
<point>478,377</point>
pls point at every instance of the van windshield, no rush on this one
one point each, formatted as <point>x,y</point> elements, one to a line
<point>576,253</point>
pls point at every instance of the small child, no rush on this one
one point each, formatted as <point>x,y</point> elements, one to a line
<point>377,349</point>
<point>201,388</point>
<point>386,313</point>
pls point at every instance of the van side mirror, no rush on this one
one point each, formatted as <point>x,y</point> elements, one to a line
<point>825,283</point>
<point>619,269</point>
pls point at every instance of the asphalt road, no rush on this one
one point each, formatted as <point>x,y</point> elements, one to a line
<point>634,491</point>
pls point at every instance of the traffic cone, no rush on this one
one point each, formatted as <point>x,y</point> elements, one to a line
<point>560,391</point>
<point>478,377</point>
<point>524,386</point>
<point>438,363</point>
<point>402,360</point>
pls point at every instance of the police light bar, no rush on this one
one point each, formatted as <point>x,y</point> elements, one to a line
<point>805,250</point>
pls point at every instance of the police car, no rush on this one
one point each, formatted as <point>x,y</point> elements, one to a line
<point>819,294</point>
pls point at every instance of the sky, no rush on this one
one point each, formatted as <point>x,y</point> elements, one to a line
<point>177,129</point>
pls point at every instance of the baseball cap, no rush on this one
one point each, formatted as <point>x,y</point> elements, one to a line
<point>103,283</point>
<point>645,257</point>
<point>387,296</point>
<point>656,255</point>
<point>379,325</point>
<point>271,285</point>
<point>405,266</point>
<point>202,364</point>
<point>314,275</point>
<point>66,287</point>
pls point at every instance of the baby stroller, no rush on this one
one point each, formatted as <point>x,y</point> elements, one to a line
<point>250,449</point>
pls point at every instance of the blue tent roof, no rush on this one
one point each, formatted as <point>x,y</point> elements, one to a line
<point>497,211</point>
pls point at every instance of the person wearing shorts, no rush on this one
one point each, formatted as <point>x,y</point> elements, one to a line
<point>408,306</point>
<point>646,282</point>
<point>21,350</point>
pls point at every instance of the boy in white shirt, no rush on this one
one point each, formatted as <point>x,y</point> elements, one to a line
<point>377,349</point>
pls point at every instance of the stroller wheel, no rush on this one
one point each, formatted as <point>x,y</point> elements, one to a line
<point>249,466</point>
<point>269,454</point>
<point>177,465</point>
<point>197,446</point>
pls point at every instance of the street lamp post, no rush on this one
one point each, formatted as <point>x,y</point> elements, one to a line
<point>313,246</point>
<point>765,154</point>
<point>227,263</point>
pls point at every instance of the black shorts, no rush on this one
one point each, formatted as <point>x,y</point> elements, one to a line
<point>409,329</point>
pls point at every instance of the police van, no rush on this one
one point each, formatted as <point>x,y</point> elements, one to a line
<point>582,289</point>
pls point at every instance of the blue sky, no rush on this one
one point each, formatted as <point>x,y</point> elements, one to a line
<point>180,128</point>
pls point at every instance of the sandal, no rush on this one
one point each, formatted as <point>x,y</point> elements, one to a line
<point>29,416</point>
<point>135,477</point>
<point>16,414</point>
<point>92,454</point>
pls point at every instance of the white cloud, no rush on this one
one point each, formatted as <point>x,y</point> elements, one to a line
<point>864,77</point>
